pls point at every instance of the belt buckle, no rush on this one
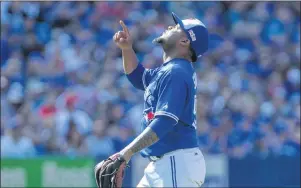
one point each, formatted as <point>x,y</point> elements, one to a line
<point>154,158</point>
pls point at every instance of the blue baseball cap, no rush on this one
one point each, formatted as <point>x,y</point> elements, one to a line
<point>197,34</point>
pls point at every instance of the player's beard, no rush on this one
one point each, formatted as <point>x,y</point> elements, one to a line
<point>158,40</point>
<point>162,42</point>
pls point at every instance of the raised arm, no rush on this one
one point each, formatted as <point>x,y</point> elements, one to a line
<point>124,41</point>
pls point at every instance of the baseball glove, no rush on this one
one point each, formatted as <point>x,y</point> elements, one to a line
<point>109,173</point>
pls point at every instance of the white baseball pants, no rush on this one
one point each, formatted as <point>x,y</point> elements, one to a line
<point>180,168</point>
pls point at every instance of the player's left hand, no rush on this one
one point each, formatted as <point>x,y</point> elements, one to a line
<point>110,172</point>
<point>126,154</point>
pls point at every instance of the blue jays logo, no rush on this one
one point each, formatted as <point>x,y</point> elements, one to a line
<point>149,114</point>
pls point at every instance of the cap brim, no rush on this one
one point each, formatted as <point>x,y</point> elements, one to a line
<point>177,20</point>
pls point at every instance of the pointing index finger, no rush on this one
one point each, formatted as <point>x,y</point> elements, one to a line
<point>124,27</point>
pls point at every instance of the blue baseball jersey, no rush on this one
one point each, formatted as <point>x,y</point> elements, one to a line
<point>170,90</point>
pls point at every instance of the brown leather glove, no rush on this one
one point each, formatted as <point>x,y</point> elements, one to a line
<point>109,173</point>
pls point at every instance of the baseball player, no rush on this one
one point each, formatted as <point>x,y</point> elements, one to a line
<point>169,138</point>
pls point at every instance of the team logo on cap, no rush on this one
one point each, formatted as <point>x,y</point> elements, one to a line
<point>192,35</point>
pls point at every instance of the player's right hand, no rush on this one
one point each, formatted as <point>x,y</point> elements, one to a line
<point>123,38</point>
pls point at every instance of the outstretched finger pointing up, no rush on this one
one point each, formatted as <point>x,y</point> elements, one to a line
<point>124,27</point>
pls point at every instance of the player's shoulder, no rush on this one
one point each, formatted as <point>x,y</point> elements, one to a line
<point>176,70</point>
<point>152,72</point>
<point>173,68</point>
<point>175,73</point>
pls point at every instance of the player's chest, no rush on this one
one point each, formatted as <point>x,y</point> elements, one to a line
<point>152,90</point>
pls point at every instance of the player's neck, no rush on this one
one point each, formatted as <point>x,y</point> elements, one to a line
<point>167,57</point>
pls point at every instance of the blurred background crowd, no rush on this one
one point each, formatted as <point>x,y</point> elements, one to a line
<point>63,90</point>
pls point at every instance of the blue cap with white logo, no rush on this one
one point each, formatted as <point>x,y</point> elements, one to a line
<point>196,32</point>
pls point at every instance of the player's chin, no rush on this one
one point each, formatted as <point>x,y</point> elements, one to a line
<point>158,40</point>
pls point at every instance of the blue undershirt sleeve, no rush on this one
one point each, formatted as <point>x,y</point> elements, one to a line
<point>141,77</point>
<point>161,125</point>
<point>135,77</point>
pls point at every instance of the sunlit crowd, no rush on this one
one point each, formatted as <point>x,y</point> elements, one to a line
<point>64,92</point>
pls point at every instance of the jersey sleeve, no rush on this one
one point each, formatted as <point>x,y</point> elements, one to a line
<point>161,125</point>
<point>141,77</point>
<point>172,95</point>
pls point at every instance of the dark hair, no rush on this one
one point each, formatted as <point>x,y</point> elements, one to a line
<point>193,55</point>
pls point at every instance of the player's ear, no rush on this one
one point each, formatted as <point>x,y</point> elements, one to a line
<point>185,42</point>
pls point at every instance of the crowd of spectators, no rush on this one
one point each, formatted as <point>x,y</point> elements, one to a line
<point>63,90</point>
